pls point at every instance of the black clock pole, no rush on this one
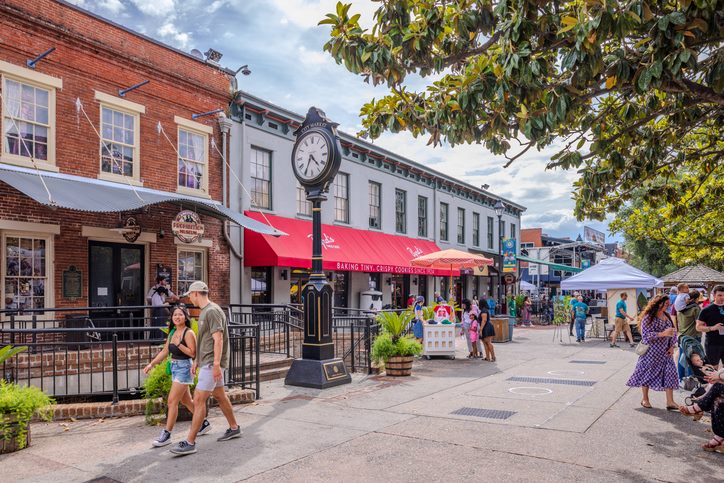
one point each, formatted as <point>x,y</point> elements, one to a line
<point>317,368</point>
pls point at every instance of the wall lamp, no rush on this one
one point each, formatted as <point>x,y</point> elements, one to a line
<point>283,274</point>
<point>31,62</point>
<point>414,281</point>
<point>244,69</point>
<point>388,281</point>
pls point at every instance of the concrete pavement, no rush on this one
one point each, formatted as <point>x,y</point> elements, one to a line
<point>545,411</point>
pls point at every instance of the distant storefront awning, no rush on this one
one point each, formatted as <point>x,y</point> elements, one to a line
<point>98,196</point>
<point>343,249</point>
<point>554,266</point>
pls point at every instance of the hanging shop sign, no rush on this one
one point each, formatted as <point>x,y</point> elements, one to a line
<point>510,261</point>
<point>72,283</point>
<point>187,227</point>
<point>508,279</point>
<point>131,229</point>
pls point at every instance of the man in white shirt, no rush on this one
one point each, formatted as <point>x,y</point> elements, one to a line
<point>158,297</point>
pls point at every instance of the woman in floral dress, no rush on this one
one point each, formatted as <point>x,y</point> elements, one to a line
<point>656,369</point>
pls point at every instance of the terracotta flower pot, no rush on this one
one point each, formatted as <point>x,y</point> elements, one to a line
<point>11,445</point>
<point>399,366</point>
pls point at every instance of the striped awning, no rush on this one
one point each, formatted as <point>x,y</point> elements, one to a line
<point>98,196</point>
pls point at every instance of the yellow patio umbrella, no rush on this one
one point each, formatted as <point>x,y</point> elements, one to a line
<point>451,259</point>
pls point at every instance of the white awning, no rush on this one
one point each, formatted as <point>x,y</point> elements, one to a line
<point>611,273</point>
<point>98,196</point>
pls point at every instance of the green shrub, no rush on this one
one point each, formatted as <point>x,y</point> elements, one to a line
<point>395,323</point>
<point>157,384</point>
<point>383,347</point>
<point>18,404</point>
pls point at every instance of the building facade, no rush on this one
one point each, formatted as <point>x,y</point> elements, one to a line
<point>382,210</point>
<point>92,178</point>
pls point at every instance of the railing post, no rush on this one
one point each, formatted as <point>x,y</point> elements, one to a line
<point>368,336</point>
<point>352,339</point>
<point>35,333</point>
<point>12,327</point>
<point>286,334</point>
<point>115,369</point>
<point>258,363</point>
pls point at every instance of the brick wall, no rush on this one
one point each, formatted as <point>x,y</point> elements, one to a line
<point>91,55</point>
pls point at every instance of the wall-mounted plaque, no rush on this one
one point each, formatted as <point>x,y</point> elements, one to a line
<point>72,283</point>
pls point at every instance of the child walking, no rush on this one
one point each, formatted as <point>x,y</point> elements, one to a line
<point>473,331</point>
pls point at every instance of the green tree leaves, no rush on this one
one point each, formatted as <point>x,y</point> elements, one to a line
<point>634,89</point>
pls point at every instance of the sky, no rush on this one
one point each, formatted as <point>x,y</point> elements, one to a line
<point>283,46</point>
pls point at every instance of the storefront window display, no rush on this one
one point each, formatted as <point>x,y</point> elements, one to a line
<point>25,272</point>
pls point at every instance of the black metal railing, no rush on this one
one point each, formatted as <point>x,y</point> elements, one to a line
<point>280,326</point>
<point>78,352</point>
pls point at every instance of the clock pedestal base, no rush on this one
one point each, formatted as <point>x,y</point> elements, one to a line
<point>317,374</point>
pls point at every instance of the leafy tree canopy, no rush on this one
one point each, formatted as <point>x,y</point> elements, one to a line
<point>634,89</point>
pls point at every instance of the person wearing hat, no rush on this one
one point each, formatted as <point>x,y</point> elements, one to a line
<point>212,358</point>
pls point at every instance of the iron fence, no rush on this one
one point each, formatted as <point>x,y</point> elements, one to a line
<point>77,352</point>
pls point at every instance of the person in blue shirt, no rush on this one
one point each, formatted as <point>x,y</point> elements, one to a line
<point>417,329</point>
<point>491,306</point>
<point>621,322</point>
<point>580,312</point>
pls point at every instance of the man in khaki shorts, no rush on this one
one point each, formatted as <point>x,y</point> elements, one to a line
<point>621,322</point>
<point>212,358</point>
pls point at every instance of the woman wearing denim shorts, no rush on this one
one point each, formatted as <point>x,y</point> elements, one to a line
<point>181,344</point>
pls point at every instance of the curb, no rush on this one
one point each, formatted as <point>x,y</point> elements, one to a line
<point>133,407</point>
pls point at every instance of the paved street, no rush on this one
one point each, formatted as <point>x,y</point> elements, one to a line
<point>409,429</point>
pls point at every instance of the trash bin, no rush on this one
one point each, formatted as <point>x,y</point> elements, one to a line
<point>502,329</point>
<point>511,323</point>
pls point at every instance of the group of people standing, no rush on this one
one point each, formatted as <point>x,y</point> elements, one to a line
<point>660,337</point>
<point>478,331</point>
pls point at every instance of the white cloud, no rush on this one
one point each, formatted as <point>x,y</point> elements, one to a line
<point>113,6</point>
<point>217,4</point>
<point>312,57</point>
<point>306,14</point>
<point>169,30</point>
<point>157,8</point>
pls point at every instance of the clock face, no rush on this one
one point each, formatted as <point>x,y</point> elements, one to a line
<point>311,156</point>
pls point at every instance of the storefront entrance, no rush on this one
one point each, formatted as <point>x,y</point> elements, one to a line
<point>298,280</point>
<point>400,288</point>
<point>116,278</point>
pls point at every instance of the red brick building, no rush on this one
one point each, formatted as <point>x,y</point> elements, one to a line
<point>72,187</point>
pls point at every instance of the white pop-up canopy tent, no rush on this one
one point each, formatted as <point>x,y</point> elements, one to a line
<point>528,287</point>
<point>611,273</point>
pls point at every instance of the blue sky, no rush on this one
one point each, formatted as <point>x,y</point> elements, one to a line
<point>282,44</point>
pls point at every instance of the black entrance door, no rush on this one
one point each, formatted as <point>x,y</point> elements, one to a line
<point>116,279</point>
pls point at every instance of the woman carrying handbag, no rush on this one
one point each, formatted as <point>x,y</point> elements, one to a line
<point>655,368</point>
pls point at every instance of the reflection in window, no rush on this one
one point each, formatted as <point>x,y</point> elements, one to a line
<point>26,122</point>
<point>192,159</point>
<point>25,276</point>
<point>118,142</point>
<point>190,268</point>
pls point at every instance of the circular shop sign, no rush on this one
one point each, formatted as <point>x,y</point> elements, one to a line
<point>531,391</point>
<point>187,227</point>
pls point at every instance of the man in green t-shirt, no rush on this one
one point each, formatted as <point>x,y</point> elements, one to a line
<point>212,358</point>
<point>621,320</point>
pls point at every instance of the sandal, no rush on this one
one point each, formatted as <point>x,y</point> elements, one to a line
<point>672,408</point>
<point>714,444</point>
<point>691,411</point>
<point>646,404</point>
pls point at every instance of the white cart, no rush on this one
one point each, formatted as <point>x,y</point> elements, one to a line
<point>438,340</point>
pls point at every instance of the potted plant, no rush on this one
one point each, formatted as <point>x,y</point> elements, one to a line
<point>18,405</point>
<point>393,349</point>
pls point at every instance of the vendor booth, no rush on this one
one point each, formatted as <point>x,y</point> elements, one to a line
<point>615,276</point>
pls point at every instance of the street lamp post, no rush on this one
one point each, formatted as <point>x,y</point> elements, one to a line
<point>499,208</point>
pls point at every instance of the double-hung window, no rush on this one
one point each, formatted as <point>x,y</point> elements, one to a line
<point>400,211</point>
<point>375,220</point>
<point>444,218</point>
<point>28,117</point>
<point>304,207</point>
<point>120,158</point>
<point>191,267</point>
<point>341,198</point>
<point>490,233</point>
<point>422,216</point>
<point>193,156</point>
<point>476,229</point>
<point>461,226</point>
<point>261,181</point>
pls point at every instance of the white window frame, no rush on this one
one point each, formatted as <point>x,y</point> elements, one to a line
<point>252,188</point>
<point>344,200</point>
<point>132,109</point>
<point>204,263</point>
<point>304,206</point>
<point>48,237</point>
<point>204,131</point>
<point>35,79</point>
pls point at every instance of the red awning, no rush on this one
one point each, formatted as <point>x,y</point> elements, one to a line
<point>343,249</point>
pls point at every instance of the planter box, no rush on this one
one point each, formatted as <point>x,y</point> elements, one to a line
<point>399,366</point>
<point>11,445</point>
<point>438,340</point>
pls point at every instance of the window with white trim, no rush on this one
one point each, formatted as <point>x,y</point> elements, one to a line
<point>28,116</point>
<point>119,142</point>
<point>341,197</point>
<point>476,230</point>
<point>193,159</point>
<point>304,207</point>
<point>25,271</point>
<point>261,178</point>
<point>191,267</point>
<point>461,226</point>
<point>375,192</point>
